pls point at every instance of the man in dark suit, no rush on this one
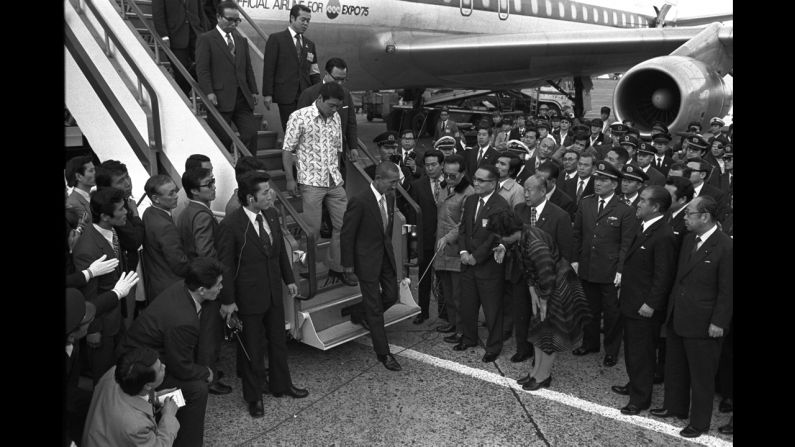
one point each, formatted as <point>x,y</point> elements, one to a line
<point>649,271</point>
<point>725,181</point>
<point>165,261</point>
<point>662,159</point>
<point>603,230</point>
<point>409,157</point>
<point>699,312</point>
<point>290,64</point>
<point>367,250</point>
<point>482,278</point>
<point>568,160</point>
<point>582,185</point>
<point>563,136</point>
<point>427,191</point>
<point>198,230</point>
<point>79,314</point>
<point>223,69</point>
<point>596,136</point>
<point>251,248</point>
<point>645,156</point>
<point>482,154</point>
<point>520,128</point>
<point>699,172</point>
<point>179,22</point>
<point>388,148</point>
<point>681,190</point>
<point>98,239</point>
<point>550,171</point>
<point>170,326</point>
<point>446,126</point>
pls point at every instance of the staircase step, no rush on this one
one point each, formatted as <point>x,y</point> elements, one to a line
<point>271,157</point>
<point>267,139</point>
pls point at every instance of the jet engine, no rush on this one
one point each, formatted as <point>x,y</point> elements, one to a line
<point>674,90</point>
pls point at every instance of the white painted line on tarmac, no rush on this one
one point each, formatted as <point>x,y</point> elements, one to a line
<point>565,399</point>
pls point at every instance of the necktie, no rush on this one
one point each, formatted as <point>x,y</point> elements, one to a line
<point>579,189</point>
<point>298,46</point>
<point>627,201</point>
<point>263,235</point>
<point>480,155</point>
<point>116,247</point>
<point>533,212</point>
<point>659,162</point>
<point>481,204</point>
<point>601,205</point>
<point>436,190</point>
<point>698,241</point>
<point>382,207</point>
<point>230,43</point>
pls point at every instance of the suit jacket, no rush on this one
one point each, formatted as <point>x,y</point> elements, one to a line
<point>116,418</point>
<point>568,141</point>
<point>593,142</point>
<point>165,261</point>
<point>364,242</point>
<point>517,134</point>
<point>79,205</point>
<point>400,202</point>
<point>565,202</point>
<point>446,128</point>
<point>252,270</point>
<point>678,226</point>
<point>649,270</point>
<point>422,193</point>
<point>601,240</point>
<point>350,140</point>
<point>655,177</point>
<point>570,188</point>
<point>667,161</point>
<point>471,159</point>
<point>175,18</point>
<point>479,241</point>
<point>131,237</point>
<point>285,75</point>
<point>555,221</point>
<point>722,182</point>
<point>90,247</point>
<point>449,212</point>
<point>719,196</point>
<point>703,291</point>
<point>197,230</point>
<point>219,72</point>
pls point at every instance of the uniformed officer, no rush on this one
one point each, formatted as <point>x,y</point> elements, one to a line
<point>632,181</point>
<point>446,145</point>
<point>696,147</point>
<point>603,230</point>
<point>630,143</point>
<point>645,156</point>
<point>715,128</point>
<point>662,159</point>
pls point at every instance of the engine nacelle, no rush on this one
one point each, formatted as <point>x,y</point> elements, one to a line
<point>673,89</point>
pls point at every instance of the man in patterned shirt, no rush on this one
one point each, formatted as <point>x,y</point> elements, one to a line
<point>314,135</point>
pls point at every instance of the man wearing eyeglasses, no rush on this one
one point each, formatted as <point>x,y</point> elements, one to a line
<point>179,22</point>
<point>224,73</point>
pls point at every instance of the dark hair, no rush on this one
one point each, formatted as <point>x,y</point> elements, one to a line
<point>103,201</point>
<point>573,151</point>
<point>486,128</point>
<point>219,9</point>
<point>622,153</point>
<point>707,205</point>
<point>684,187</point>
<point>659,196</point>
<point>456,159</point>
<point>679,166</point>
<point>604,109</point>
<point>249,182</point>
<point>192,178</point>
<point>384,168</point>
<point>74,166</point>
<point>331,89</point>
<point>551,167</point>
<point>154,183</point>
<point>109,169</point>
<point>514,163</point>
<point>294,11</point>
<point>248,163</point>
<point>589,152</point>
<point>195,161</point>
<point>504,223</point>
<point>335,62</point>
<point>203,272</point>
<point>433,153</point>
<point>494,174</point>
<point>134,370</point>
<point>532,129</point>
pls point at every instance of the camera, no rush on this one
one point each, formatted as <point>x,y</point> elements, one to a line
<point>395,158</point>
<point>233,327</point>
<point>413,155</point>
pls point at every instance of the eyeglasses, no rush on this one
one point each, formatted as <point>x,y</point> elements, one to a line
<point>209,184</point>
<point>233,19</point>
<point>482,180</point>
<point>452,176</point>
<point>340,80</point>
<point>689,213</point>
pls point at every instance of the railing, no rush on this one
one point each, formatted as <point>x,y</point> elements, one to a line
<point>252,23</point>
<point>152,118</point>
<point>238,144</point>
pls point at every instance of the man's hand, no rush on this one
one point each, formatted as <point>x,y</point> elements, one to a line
<point>292,289</point>
<point>74,235</point>
<point>102,267</point>
<point>353,155</point>
<point>227,310</point>
<point>440,244</point>
<point>125,283</point>
<point>166,42</point>
<point>464,257</point>
<point>267,101</point>
<point>645,311</point>
<point>575,266</point>
<point>471,259</point>
<point>534,300</point>
<point>542,309</point>
<point>617,280</point>
<point>94,340</point>
<point>213,99</point>
<point>292,186</point>
<point>715,331</point>
<point>411,164</point>
<point>210,377</point>
<point>499,253</point>
<point>169,407</point>
<point>132,206</point>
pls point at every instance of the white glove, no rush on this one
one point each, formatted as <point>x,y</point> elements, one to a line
<point>125,283</point>
<point>102,267</point>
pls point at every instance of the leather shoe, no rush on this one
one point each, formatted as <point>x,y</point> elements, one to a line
<point>631,409</point>
<point>726,405</point>
<point>347,278</point>
<point>727,429</point>
<point>524,379</point>
<point>533,384</point>
<point>419,318</point>
<point>461,346</point>
<point>389,362</point>
<point>663,413</point>
<point>453,338</point>
<point>219,388</point>
<point>446,328</point>
<point>620,389</point>
<point>582,351</point>
<point>610,361</point>
<point>293,391</point>
<point>691,432</point>
<point>489,357</point>
<point>255,409</point>
<point>521,357</point>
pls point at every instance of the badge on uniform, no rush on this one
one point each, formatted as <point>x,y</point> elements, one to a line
<point>612,218</point>
<point>484,222</point>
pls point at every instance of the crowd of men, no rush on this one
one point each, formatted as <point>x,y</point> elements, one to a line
<point>646,224</point>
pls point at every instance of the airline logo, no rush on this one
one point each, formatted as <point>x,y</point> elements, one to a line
<point>334,8</point>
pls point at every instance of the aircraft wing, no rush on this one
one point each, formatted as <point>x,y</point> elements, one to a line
<point>700,20</point>
<point>513,60</point>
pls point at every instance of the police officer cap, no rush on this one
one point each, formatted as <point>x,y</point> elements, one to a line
<point>661,136</point>
<point>518,148</point>
<point>696,141</point>
<point>542,124</point>
<point>717,121</point>
<point>387,138</point>
<point>659,127</point>
<point>633,172</point>
<point>596,122</point>
<point>605,169</point>
<point>646,148</point>
<point>629,139</point>
<point>728,151</point>
<point>445,142</point>
<point>619,128</point>
<point>78,311</point>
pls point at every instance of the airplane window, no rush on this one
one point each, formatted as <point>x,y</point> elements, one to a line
<point>548,8</point>
<point>615,18</point>
<point>561,10</point>
<point>632,20</point>
<point>584,14</point>
<point>623,19</point>
<point>605,18</point>
<point>534,6</point>
<point>574,11</point>
<point>517,5</point>
<point>595,16</point>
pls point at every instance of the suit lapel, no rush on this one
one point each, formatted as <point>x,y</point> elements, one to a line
<point>608,206</point>
<point>642,237</point>
<point>542,218</point>
<point>221,44</point>
<point>251,234</point>
<point>695,258</point>
<point>102,243</point>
